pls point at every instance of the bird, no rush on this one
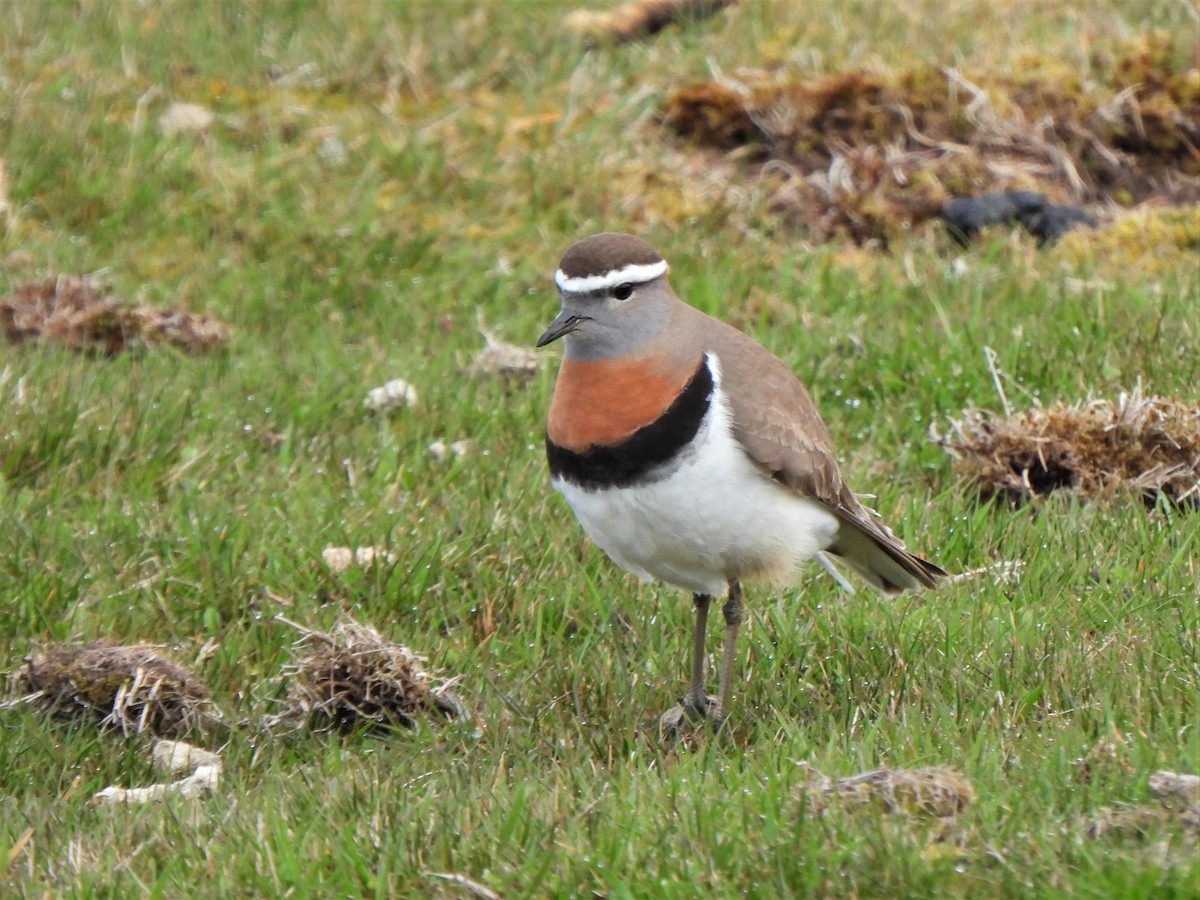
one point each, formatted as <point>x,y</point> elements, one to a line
<point>691,455</point>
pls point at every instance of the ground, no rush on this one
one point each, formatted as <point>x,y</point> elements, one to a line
<point>356,189</point>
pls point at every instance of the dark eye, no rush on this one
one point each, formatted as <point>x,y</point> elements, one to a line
<point>623,291</point>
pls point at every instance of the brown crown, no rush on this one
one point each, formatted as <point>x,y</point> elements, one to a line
<point>602,253</point>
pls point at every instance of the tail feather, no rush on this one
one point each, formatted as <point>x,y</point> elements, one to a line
<point>880,558</point>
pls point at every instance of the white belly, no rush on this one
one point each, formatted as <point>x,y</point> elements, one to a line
<point>712,517</point>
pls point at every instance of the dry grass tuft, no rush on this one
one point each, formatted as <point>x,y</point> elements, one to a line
<point>1176,791</point>
<point>638,19</point>
<point>353,677</point>
<point>511,364</point>
<point>133,689</point>
<point>1135,821</point>
<point>7,211</point>
<point>868,154</point>
<point>75,312</point>
<point>1178,797</point>
<point>1146,445</point>
<point>932,792</point>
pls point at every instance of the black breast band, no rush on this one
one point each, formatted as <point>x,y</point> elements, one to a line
<point>647,448</point>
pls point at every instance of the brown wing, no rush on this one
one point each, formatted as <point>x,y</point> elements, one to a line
<point>776,422</point>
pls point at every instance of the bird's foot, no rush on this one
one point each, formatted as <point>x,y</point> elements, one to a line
<point>686,716</point>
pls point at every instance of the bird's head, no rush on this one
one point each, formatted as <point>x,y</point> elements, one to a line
<point>614,296</point>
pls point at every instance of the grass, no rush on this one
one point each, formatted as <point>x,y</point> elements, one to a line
<point>381,177</point>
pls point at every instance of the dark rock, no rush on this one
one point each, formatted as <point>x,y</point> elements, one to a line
<point>966,216</point>
<point>1051,223</point>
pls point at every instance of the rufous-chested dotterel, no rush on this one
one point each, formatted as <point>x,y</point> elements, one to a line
<point>692,455</point>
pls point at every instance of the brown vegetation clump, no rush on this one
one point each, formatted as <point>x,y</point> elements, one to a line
<point>1176,791</point>
<point>638,19</point>
<point>924,804</point>
<point>352,677</point>
<point>934,792</point>
<point>1147,445</point>
<point>133,689</point>
<point>867,154</point>
<point>75,312</point>
<point>1178,797</point>
<point>511,364</point>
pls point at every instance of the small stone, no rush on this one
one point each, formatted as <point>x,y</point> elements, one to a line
<point>185,118</point>
<point>173,757</point>
<point>395,394</point>
<point>342,558</point>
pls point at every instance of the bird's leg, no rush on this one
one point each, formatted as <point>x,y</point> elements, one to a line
<point>696,701</point>
<point>696,705</point>
<point>733,620</point>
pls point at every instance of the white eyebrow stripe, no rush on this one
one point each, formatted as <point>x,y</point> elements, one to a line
<point>632,274</point>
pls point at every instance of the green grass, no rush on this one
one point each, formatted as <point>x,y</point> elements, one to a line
<point>185,501</point>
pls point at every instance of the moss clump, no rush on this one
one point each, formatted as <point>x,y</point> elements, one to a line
<point>353,677</point>
<point>1149,446</point>
<point>934,791</point>
<point>869,154</point>
<point>1159,119</point>
<point>133,689</point>
<point>1178,809</point>
<point>1150,242</point>
<point>75,312</point>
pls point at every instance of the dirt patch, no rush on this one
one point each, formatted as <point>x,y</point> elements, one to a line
<point>131,689</point>
<point>1149,446</point>
<point>76,313</point>
<point>353,677</point>
<point>868,154</point>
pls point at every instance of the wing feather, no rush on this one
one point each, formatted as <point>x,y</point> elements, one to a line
<point>778,425</point>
